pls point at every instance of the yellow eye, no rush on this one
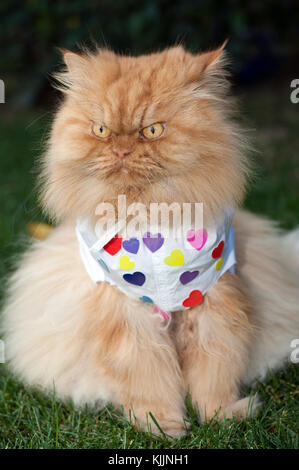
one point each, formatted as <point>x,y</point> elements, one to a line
<point>100,131</point>
<point>153,132</point>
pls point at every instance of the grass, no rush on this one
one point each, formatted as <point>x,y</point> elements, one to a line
<point>28,419</point>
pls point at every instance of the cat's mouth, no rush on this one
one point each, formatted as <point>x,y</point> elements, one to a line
<point>122,168</point>
<point>137,172</point>
<point>122,172</point>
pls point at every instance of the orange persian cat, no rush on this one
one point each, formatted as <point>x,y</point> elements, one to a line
<point>90,341</point>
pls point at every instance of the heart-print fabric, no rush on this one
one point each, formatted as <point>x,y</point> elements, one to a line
<point>172,273</point>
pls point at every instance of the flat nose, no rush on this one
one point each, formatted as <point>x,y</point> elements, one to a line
<point>121,153</point>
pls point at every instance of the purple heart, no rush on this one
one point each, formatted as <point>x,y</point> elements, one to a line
<point>138,279</point>
<point>153,242</point>
<point>188,276</point>
<point>132,245</point>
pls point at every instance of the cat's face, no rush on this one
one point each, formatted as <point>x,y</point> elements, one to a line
<point>155,128</point>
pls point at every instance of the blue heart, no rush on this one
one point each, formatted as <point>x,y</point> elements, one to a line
<point>145,298</point>
<point>132,245</point>
<point>138,279</point>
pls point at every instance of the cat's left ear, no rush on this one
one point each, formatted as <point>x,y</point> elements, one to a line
<point>208,71</point>
<point>212,59</point>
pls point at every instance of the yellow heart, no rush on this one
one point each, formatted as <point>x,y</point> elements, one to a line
<point>125,263</point>
<point>219,263</point>
<point>175,259</point>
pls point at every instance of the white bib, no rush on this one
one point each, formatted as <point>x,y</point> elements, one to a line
<point>173,273</point>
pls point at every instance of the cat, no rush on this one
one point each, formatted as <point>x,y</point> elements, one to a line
<point>94,343</point>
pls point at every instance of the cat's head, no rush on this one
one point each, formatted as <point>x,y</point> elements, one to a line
<point>156,128</point>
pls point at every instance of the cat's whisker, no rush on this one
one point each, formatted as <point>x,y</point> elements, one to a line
<point>75,178</point>
<point>79,171</point>
<point>57,180</point>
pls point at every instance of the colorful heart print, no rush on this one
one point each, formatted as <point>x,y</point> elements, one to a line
<point>195,298</point>
<point>153,242</point>
<point>138,279</point>
<point>125,263</point>
<point>219,263</point>
<point>197,238</point>
<point>147,299</point>
<point>176,258</point>
<point>114,245</point>
<point>217,252</point>
<point>131,245</point>
<point>188,276</point>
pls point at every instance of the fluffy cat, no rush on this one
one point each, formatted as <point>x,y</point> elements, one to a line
<point>91,341</point>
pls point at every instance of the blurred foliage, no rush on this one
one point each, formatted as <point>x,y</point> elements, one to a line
<point>262,34</point>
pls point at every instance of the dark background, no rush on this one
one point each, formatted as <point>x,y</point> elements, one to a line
<point>263,35</point>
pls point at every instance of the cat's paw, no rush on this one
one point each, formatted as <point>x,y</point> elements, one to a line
<point>160,423</point>
<point>244,408</point>
<point>172,428</point>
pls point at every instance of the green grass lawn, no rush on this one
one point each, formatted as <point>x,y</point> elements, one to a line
<point>30,420</point>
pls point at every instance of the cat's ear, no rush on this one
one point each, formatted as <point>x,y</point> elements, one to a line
<point>75,65</point>
<point>73,61</point>
<point>209,72</point>
<point>213,59</point>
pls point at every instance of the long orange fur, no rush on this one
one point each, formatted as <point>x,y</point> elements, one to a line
<point>92,342</point>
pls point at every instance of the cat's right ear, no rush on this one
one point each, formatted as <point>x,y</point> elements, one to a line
<point>65,80</point>
<point>73,61</point>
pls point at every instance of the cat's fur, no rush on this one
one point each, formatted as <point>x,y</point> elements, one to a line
<point>91,341</point>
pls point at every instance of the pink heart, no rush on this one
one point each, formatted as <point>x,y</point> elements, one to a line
<point>197,239</point>
<point>164,314</point>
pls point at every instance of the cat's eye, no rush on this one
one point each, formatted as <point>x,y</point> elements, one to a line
<point>153,132</point>
<point>100,131</point>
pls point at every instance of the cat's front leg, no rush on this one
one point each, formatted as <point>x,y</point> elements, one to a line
<point>213,343</point>
<point>140,362</point>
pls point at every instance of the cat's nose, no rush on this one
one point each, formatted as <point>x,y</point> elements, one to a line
<point>121,153</point>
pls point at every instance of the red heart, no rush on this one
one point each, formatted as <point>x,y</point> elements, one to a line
<point>114,245</point>
<point>217,252</point>
<point>195,298</point>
